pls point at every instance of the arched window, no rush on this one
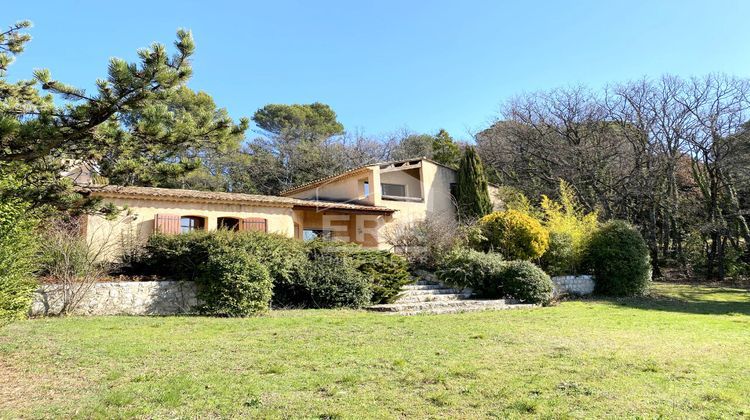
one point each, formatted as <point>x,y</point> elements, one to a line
<point>191,223</point>
<point>228,223</point>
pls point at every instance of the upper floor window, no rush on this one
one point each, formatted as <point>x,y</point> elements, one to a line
<point>394,190</point>
<point>191,223</point>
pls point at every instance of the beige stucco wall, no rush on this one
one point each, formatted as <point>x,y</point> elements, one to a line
<point>409,178</point>
<point>430,182</point>
<point>136,223</point>
<point>346,189</point>
<point>497,203</point>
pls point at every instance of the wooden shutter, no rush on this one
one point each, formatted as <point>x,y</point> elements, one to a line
<point>167,223</point>
<point>254,224</point>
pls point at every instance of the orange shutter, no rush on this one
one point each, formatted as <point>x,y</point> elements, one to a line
<point>167,223</point>
<point>255,224</point>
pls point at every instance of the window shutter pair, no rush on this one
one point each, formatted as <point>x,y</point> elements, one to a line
<point>167,223</point>
<point>170,224</point>
<point>254,224</point>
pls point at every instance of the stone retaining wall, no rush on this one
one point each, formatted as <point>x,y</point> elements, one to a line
<point>122,298</point>
<point>573,285</point>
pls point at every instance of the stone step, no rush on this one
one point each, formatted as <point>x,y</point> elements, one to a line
<point>423,286</point>
<point>442,304</point>
<point>424,282</point>
<point>431,298</point>
<point>437,291</point>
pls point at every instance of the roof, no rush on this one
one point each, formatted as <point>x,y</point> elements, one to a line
<point>173,194</point>
<point>328,179</point>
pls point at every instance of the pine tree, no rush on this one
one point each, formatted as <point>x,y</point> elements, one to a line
<point>445,150</point>
<point>472,195</point>
<point>140,125</point>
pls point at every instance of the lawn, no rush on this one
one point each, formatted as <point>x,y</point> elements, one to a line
<point>683,352</point>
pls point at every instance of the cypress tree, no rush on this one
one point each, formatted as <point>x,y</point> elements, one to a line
<point>471,192</point>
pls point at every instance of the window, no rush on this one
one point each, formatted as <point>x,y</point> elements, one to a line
<point>364,187</point>
<point>191,223</point>
<point>312,234</point>
<point>394,190</point>
<point>228,223</point>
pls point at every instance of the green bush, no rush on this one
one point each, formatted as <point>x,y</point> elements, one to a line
<point>526,282</point>
<point>387,271</point>
<point>233,283</point>
<point>619,259</point>
<point>332,280</point>
<point>476,270</point>
<point>173,256</point>
<point>295,267</point>
<point>18,246</point>
<point>491,277</point>
<point>514,234</point>
<point>560,258</point>
<point>179,256</point>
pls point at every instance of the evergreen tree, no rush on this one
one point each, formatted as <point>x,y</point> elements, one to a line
<point>140,125</point>
<point>445,150</point>
<point>300,145</point>
<point>472,195</point>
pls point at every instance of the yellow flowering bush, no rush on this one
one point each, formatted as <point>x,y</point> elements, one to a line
<point>570,228</point>
<point>514,234</point>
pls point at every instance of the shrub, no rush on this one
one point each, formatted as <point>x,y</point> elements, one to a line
<point>570,229</point>
<point>514,234</point>
<point>619,259</point>
<point>473,269</point>
<point>387,271</point>
<point>71,261</point>
<point>332,280</point>
<point>233,283</point>
<point>173,256</point>
<point>559,259</point>
<point>18,245</point>
<point>179,256</point>
<point>526,282</point>
<point>424,243</point>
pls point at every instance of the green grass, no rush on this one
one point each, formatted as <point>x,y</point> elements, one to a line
<point>684,352</point>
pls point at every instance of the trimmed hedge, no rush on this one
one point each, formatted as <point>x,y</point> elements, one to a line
<point>491,277</point>
<point>526,282</point>
<point>232,283</point>
<point>473,269</point>
<point>302,273</point>
<point>619,259</point>
<point>332,280</point>
<point>514,234</point>
<point>179,256</point>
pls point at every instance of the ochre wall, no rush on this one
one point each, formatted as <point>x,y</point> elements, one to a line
<point>136,223</point>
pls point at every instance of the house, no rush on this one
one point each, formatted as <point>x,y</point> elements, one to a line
<point>358,206</point>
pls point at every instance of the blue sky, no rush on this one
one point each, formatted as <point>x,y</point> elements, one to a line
<point>388,65</point>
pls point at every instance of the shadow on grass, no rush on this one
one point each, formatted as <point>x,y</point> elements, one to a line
<point>693,299</point>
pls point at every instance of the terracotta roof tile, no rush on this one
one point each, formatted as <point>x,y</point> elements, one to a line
<point>224,197</point>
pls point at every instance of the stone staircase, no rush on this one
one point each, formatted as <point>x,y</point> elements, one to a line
<point>432,297</point>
